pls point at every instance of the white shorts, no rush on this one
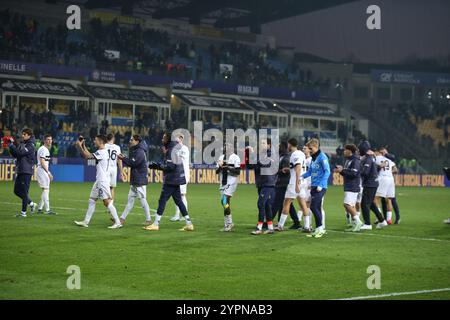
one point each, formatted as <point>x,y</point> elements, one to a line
<point>43,179</point>
<point>113,178</point>
<point>100,190</point>
<point>305,192</point>
<point>359,198</point>
<point>228,190</point>
<point>138,192</point>
<point>183,188</point>
<point>386,188</point>
<point>350,198</point>
<point>290,192</point>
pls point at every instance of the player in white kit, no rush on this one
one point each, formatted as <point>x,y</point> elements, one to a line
<point>386,183</point>
<point>184,155</point>
<point>101,188</point>
<point>305,193</point>
<point>296,163</point>
<point>228,169</point>
<point>113,152</point>
<point>44,175</point>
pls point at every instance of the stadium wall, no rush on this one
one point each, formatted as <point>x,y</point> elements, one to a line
<point>77,170</point>
<point>87,74</point>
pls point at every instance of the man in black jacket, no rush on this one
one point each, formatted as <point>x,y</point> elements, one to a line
<point>281,186</point>
<point>352,180</point>
<point>24,152</point>
<point>266,178</point>
<point>137,162</point>
<point>174,177</point>
<point>369,175</point>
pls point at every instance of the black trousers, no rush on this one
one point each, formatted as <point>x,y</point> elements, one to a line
<point>277,206</point>
<point>394,206</point>
<point>316,204</point>
<point>21,189</point>
<point>174,192</point>
<point>266,195</point>
<point>367,202</point>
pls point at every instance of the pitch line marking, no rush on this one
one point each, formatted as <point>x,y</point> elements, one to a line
<point>61,208</point>
<point>395,294</point>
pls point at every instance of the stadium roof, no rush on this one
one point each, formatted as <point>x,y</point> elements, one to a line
<point>220,13</point>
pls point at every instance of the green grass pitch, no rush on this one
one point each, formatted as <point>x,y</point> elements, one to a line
<point>131,263</point>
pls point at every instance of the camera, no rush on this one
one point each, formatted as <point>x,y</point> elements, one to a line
<point>81,138</point>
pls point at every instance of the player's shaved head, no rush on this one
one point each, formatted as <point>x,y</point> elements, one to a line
<point>101,138</point>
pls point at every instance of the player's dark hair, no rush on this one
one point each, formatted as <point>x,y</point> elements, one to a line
<point>109,137</point>
<point>351,147</point>
<point>48,135</point>
<point>269,141</point>
<point>137,137</point>
<point>102,137</point>
<point>293,142</point>
<point>28,131</point>
<point>168,134</point>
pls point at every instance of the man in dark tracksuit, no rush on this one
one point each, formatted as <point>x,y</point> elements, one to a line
<point>137,161</point>
<point>391,157</point>
<point>174,177</point>
<point>369,175</point>
<point>24,152</point>
<point>352,181</point>
<point>281,186</point>
<point>265,178</point>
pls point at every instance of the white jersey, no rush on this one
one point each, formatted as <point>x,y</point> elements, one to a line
<point>233,161</point>
<point>184,154</point>
<point>386,166</point>
<point>43,153</point>
<point>297,158</point>
<point>113,151</point>
<point>305,167</point>
<point>103,165</point>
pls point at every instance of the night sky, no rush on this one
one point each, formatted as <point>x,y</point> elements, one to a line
<point>409,28</point>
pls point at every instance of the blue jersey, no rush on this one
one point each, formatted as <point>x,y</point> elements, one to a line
<point>319,170</point>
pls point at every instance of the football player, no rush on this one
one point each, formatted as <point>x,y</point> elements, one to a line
<point>352,181</point>
<point>319,171</point>
<point>296,164</point>
<point>228,169</point>
<point>184,154</point>
<point>174,177</point>
<point>386,187</point>
<point>44,175</point>
<point>114,162</point>
<point>101,188</point>
<point>265,182</point>
<point>137,161</point>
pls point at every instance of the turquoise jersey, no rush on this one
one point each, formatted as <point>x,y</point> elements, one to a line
<point>319,171</point>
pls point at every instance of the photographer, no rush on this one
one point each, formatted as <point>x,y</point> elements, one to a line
<point>24,152</point>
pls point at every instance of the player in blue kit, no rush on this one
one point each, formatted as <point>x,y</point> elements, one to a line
<point>319,171</point>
